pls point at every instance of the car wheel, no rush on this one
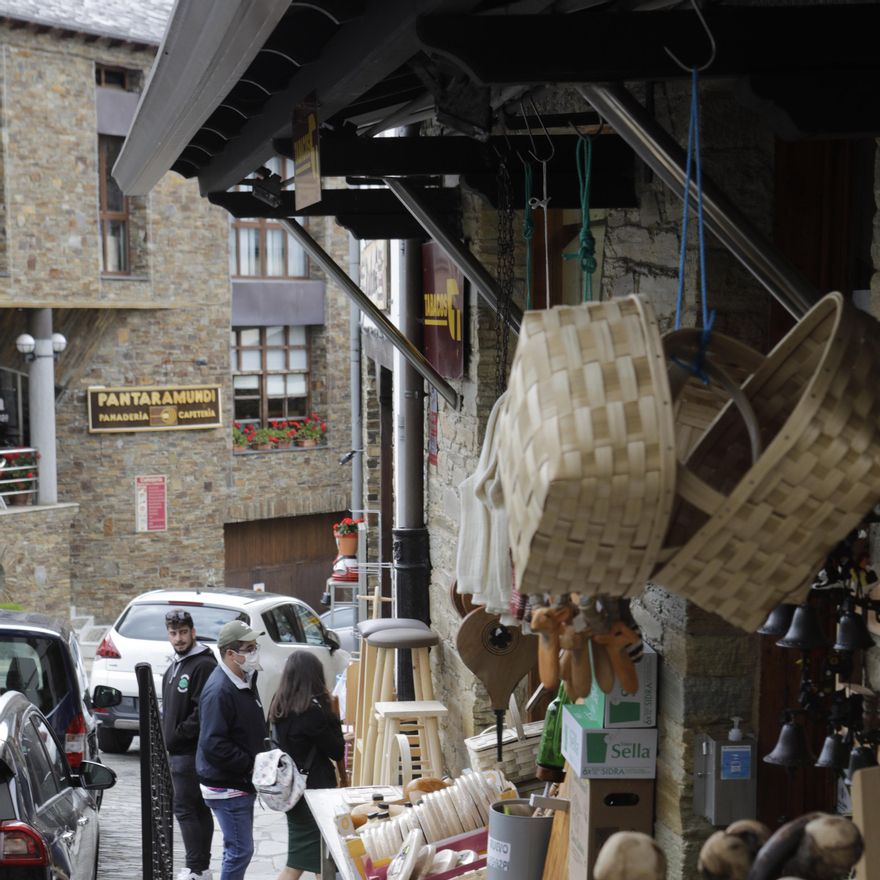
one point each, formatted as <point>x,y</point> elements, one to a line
<point>114,742</point>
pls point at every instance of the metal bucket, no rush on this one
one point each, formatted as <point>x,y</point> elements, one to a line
<point>517,841</point>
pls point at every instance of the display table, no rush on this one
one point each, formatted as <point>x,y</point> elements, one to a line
<point>323,803</point>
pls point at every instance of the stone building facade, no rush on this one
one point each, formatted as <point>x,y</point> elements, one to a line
<point>165,323</point>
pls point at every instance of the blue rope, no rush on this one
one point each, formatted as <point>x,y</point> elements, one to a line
<point>693,158</point>
<point>586,252</point>
<point>528,232</point>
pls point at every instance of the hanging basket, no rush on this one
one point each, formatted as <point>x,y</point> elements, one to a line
<point>586,449</point>
<point>752,534</point>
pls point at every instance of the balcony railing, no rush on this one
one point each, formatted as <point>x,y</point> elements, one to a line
<point>19,475</point>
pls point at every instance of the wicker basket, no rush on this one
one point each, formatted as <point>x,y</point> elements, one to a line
<point>697,404</point>
<point>752,535</point>
<point>519,748</point>
<point>586,448</point>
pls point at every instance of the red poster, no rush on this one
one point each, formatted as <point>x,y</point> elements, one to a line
<point>443,289</point>
<point>151,503</point>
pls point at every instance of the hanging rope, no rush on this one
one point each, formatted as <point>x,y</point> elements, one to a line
<point>693,159</point>
<point>528,231</point>
<point>586,253</point>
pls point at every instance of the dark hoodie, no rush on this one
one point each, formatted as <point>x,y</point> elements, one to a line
<point>181,690</point>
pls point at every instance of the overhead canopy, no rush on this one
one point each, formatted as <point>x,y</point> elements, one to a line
<point>228,74</point>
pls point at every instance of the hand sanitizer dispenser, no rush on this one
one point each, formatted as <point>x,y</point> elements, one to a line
<point>725,784</point>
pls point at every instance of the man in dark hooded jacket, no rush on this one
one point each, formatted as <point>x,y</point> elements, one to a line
<point>182,687</point>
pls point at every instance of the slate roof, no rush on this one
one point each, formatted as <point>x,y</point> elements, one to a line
<point>140,21</point>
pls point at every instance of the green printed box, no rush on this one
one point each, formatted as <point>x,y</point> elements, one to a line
<point>622,709</point>
<point>621,753</point>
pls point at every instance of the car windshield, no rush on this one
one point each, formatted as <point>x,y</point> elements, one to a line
<point>35,666</point>
<point>147,621</point>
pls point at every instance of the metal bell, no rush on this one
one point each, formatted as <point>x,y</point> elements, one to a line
<point>860,757</point>
<point>778,620</point>
<point>852,633</point>
<point>805,631</point>
<point>791,748</point>
<point>835,753</point>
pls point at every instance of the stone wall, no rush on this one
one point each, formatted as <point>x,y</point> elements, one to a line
<point>35,558</point>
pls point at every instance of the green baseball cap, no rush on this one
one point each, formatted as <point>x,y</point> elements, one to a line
<point>235,631</point>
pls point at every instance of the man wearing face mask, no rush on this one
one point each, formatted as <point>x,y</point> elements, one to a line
<point>233,730</point>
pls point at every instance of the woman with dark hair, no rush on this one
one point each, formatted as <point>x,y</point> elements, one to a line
<point>305,727</point>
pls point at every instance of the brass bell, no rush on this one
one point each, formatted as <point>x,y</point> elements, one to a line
<point>805,631</point>
<point>778,620</point>
<point>860,757</point>
<point>835,753</point>
<point>852,633</point>
<point>791,748</point>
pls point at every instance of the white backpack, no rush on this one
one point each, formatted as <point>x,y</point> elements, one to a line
<point>278,782</point>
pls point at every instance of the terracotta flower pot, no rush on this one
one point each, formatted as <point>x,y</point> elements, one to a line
<point>239,449</point>
<point>22,500</point>
<point>347,545</point>
<point>311,441</point>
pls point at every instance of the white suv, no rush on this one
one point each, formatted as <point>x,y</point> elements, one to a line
<point>139,636</point>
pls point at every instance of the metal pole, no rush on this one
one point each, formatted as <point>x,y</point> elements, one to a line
<point>470,266</point>
<point>667,159</point>
<point>365,304</point>
<point>41,396</point>
<point>354,341</point>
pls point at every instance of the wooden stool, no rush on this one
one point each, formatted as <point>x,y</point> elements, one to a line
<point>366,672</point>
<point>410,735</point>
<point>385,643</point>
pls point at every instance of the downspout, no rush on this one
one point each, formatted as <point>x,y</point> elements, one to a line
<point>41,399</point>
<point>410,548</point>
<point>354,340</point>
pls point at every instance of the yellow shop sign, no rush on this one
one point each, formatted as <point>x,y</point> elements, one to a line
<point>159,408</point>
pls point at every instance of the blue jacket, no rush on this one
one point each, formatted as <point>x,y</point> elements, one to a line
<point>232,731</point>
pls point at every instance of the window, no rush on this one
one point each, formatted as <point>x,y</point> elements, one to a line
<point>282,625</point>
<point>311,625</point>
<point>114,210</point>
<point>270,373</point>
<point>261,248</point>
<point>117,78</point>
<point>47,768</point>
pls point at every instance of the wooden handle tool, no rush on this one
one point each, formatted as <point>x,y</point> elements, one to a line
<point>547,622</point>
<point>575,664</point>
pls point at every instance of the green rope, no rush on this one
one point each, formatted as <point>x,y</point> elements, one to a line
<point>586,253</point>
<point>528,233</point>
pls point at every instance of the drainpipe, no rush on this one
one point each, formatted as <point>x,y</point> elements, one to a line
<point>354,340</point>
<point>659,151</point>
<point>41,397</point>
<point>410,548</point>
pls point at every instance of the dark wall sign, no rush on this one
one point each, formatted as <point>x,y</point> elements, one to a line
<point>443,288</point>
<point>160,408</point>
<point>306,153</point>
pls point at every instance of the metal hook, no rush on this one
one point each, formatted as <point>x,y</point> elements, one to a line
<point>533,152</point>
<point>688,68</point>
<point>510,147</point>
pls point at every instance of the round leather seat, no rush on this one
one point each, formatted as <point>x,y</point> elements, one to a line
<point>367,627</point>
<point>409,637</point>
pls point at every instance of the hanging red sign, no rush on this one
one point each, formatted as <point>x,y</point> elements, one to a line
<point>443,289</point>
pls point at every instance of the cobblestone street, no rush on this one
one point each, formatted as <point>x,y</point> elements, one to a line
<point>120,857</point>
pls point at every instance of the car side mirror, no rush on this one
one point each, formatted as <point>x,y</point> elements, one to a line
<point>94,776</point>
<point>103,697</point>
<point>332,640</point>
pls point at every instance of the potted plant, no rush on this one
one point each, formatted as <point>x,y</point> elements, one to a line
<point>279,435</point>
<point>346,534</point>
<point>259,438</point>
<point>239,438</point>
<point>308,431</point>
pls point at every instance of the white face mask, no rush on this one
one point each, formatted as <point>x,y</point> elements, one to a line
<point>251,662</point>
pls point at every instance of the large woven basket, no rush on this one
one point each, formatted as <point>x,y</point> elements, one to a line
<point>752,535</point>
<point>586,448</point>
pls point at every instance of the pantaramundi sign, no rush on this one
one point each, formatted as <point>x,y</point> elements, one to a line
<point>161,408</point>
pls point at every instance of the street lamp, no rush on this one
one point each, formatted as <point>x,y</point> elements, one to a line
<point>26,344</point>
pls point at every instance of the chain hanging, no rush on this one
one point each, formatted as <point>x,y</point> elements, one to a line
<point>505,276</point>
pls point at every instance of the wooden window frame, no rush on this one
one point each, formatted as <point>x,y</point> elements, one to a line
<point>264,372</point>
<point>131,79</point>
<point>106,216</point>
<point>284,167</point>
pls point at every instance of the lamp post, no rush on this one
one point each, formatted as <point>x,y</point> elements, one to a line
<point>40,348</point>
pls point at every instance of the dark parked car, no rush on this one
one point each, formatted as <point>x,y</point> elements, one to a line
<point>40,657</point>
<point>48,814</point>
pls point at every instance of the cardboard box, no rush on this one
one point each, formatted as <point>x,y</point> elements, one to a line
<point>599,808</point>
<point>622,709</point>
<point>620,753</point>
